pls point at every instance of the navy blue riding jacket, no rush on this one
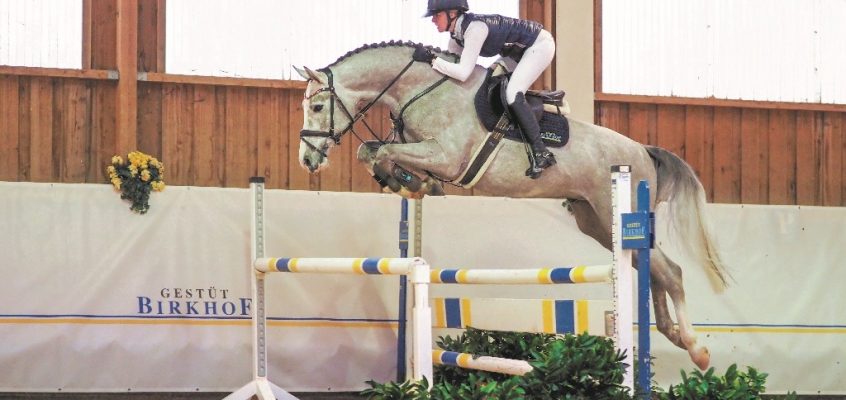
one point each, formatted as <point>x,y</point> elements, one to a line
<point>504,33</point>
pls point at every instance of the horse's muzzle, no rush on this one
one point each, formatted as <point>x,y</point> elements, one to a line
<point>313,160</point>
<point>312,163</point>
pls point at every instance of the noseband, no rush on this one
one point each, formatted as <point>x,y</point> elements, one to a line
<point>336,136</point>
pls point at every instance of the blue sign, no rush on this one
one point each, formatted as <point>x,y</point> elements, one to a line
<point>637,230</point>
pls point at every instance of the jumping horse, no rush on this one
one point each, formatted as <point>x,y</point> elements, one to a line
<point>437,134</point>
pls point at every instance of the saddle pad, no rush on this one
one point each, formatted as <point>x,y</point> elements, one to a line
<point>555,129</point>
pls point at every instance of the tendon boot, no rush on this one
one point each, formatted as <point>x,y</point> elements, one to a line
<point>531,130</point>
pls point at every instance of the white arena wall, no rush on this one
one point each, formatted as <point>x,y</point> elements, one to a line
<point>96,298</point>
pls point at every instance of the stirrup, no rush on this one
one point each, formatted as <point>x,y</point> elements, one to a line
<point>542,161</point>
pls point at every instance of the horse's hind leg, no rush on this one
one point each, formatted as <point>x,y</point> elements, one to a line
<point>667,280</point>
<point>663,321</point>
<point>589,222</point>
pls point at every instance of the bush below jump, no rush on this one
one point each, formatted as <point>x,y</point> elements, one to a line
<point>564,367</point>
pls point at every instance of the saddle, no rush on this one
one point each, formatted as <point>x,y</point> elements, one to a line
<point>549,108</point>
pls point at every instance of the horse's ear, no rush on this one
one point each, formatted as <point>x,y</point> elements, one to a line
<point>301,72</point>
<point>313,75</point>
<point>308,74</point>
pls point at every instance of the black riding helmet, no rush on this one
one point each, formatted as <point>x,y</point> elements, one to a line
<point>441,5</point>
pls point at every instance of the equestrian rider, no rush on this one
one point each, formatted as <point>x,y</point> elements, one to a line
<point>525,42</point>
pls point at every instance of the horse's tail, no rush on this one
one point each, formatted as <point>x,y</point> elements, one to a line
<point>684,196</point>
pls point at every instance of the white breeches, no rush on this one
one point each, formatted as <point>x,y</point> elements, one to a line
<point>535,60</point>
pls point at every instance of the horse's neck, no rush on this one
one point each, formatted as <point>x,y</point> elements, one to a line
<point>365,74</point>
<point>368,74</point>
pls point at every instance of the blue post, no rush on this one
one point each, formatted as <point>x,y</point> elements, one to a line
<point>403,293</point>
<point>638,234</point>
<point>643,282</point>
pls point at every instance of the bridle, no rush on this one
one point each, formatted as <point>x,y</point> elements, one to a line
<point>336,136</point>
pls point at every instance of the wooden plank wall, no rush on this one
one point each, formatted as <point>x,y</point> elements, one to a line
<point>55,129</point>
<point>59,129</point>
<point>222,135</point>
<point>745,155</point>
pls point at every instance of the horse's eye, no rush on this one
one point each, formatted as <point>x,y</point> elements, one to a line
<point>317,107</point>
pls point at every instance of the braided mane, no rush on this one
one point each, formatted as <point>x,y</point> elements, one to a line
<point>392,43</point>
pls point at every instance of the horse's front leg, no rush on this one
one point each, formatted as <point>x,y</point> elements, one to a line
<point>427,155</point>
<point>386,180</point>
<point>418,158</point>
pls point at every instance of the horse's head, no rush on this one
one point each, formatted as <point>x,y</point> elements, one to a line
<point>342,93</point>
<point>327,118</point>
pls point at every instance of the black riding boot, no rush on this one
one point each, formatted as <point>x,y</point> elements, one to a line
<point>529,125</point>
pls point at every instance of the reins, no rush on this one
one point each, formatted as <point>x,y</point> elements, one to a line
<point>399,123</point>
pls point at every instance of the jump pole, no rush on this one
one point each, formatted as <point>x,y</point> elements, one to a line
<point>623,243</point>
<point>415,268</point>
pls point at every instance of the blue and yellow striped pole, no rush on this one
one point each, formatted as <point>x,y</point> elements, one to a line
<point>360,266</point>
<point>481,363</point>
<point>542,276</point>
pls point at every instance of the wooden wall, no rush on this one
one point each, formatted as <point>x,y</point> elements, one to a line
<point>58,129</point>
<point>222,135</point>
<point>65,125</point>
<point>55,129</point>
<point>744,154</point>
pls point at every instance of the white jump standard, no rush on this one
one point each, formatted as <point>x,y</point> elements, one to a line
<point>418,272</point>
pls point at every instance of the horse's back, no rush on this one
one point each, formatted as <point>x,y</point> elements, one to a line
<point>607,147</point>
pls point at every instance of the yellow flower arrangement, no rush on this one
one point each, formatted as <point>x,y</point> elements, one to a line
<point>136,178</point>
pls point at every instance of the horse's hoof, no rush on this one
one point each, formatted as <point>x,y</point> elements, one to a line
<point>411,195</point>
<point>393,184</point>
<point>435,189</point>
<point>700,356</point>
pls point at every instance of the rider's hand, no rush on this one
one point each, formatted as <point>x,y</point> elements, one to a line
<point>423,54</point>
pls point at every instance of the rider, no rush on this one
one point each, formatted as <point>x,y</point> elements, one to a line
<point>525,42</point>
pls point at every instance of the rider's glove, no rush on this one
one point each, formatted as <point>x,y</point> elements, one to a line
<point>423,54</point>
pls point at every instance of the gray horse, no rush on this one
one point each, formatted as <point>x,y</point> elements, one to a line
<point>441,133</point>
